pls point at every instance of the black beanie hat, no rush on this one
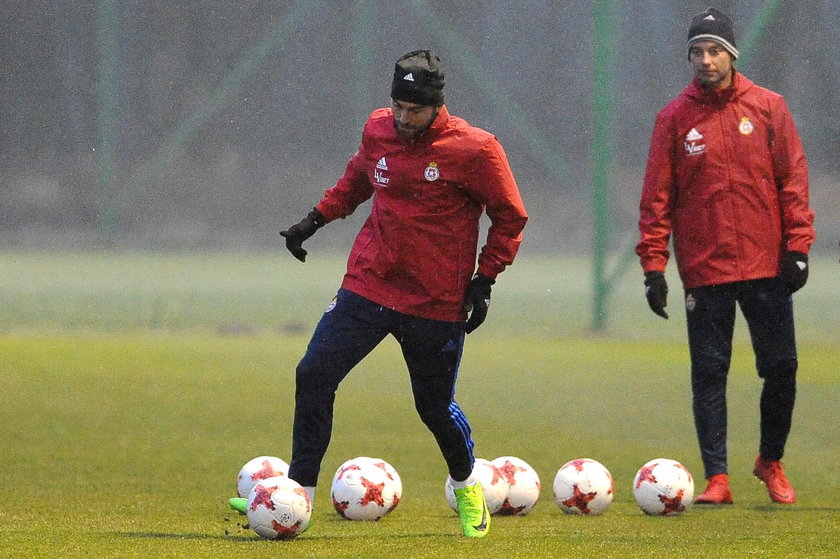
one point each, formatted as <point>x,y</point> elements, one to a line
<point>713,25</point>
<point>418,78</point>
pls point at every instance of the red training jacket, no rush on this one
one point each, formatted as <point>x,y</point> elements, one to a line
<point>416,251</point>
<point>727,175</point>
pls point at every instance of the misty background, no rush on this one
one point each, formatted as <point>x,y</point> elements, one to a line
<point>214,124</point>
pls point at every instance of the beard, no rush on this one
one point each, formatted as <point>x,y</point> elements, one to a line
<point>407,131</point>
<point>713,79</point>
<point>411,132</point>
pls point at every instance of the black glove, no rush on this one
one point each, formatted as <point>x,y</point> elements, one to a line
<point>794,270</point>
<point>296,234</point>
<point>477,300</point>
<point>656,291</point>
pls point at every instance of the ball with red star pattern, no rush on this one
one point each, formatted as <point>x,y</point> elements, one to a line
<point>523,485</point>
<point>365,488</point>
<point>663,487</point>
<point>261,467</point>
<point>583,486</point>
<point>278,508</point>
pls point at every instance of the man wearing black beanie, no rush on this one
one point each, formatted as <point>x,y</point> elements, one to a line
<point>412,271</point>
<point>727,178</point>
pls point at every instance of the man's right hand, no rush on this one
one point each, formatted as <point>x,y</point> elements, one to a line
<point>296,234</point>
<point>656,291</point>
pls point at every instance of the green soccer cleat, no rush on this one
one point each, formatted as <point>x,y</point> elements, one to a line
<point>239,504</point>
<point>472,508</point>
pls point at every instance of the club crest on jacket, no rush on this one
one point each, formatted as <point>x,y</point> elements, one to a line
<point>745,127</point>
<point>432,173</point>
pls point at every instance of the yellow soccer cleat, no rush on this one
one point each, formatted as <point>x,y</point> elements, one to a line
<point>472,508</point>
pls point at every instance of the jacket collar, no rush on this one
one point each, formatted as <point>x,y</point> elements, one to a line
<point>439,123</point>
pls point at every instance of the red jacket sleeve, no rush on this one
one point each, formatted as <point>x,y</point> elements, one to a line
<point>351,190</point>
<point>791,173</point>
<point>657,198</point>
<point>495,187</point>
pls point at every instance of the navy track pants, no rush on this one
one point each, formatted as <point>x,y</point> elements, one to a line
<point>348,331</point>
<point>768,309</point>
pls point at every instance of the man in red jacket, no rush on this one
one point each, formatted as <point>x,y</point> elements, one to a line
<point>727,178</point>
<point>410,273</point>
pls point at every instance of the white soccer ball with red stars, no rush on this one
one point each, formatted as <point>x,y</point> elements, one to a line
<point>261,467</point>
<point>365,488</point>
<point>523,483</point>
<point>583,486</point>
<point>278,508</point>
<point>663,487</point>
<point>493,483</point>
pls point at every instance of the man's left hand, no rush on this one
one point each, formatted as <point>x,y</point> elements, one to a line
<point>477,300</point>
<point>794,270</point>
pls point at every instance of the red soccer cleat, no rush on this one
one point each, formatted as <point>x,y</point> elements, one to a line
<point>771,474</point>
<point>717,491</point>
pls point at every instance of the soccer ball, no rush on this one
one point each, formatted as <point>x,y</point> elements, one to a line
<point>493,483</point>
<point>583,486</point>
<point>394,478</point>
<point>365,488</point>
<point>261,467</point>
<point>278,508</point>
<point>663,487</point>
<point>524,484</point>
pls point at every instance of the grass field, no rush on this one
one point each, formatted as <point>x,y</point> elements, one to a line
<point>134,386</point>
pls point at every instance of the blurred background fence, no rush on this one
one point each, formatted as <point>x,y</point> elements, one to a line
<point>213,124</point>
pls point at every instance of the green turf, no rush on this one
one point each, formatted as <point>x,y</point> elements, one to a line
<point>133,387</point>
